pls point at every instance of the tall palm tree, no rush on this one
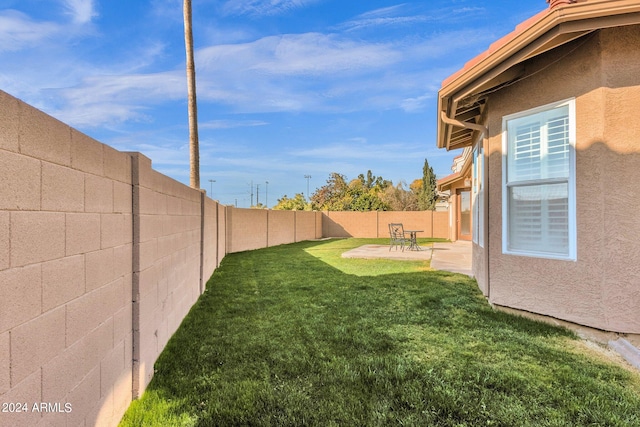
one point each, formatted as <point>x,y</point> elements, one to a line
<point>194,146</point>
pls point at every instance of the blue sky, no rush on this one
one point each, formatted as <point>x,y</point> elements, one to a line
<point>286,88</point>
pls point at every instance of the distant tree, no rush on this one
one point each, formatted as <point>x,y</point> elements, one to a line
<point>297,203</point>
<point>360,194</point>
<point>400,199</point>
<point>333,196</point>
<point>427,195</point>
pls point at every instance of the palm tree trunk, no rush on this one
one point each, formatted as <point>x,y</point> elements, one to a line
<point>194,146</point>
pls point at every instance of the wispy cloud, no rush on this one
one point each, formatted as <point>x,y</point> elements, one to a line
<point>81,11</point>
<point>298,54</point>
<point>19,31</point>
<point>231,124</point>
<point>264,7</point>
<point>357,148</point>
<point>405,14</point>
<point>102,99</point>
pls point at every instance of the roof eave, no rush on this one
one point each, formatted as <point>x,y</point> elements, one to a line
<point>542,32</point>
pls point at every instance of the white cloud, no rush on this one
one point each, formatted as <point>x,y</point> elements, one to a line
<point>357,149</point>
<point>81,11</point>
<point>419,103</point>
<point>99,100</point>
<point>298,54</point>
<point>19,31</point>
<point>264,7</point>
<point>231,124</point>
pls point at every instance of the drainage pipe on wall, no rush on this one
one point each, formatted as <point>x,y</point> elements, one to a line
<point>473,126</point>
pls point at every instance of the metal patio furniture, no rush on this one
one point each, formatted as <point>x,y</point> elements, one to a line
<point>398,236</point>
<point>413,240</point>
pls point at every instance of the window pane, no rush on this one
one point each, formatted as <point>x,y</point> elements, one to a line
<point>539,146</point>
<point>558,148</point>
<point>539,218</point>
<point>524,149</point>
<point>465,213</point>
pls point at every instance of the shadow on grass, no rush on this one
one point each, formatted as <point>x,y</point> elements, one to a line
<point>281,337</point>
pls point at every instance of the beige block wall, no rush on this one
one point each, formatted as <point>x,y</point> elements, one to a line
<point>246,229</point>
<point>167,241</point>
<point>65,270</point>
<point>210,239</point>
<point>350,224</point>
<point>308,225</point>
<point>376,224</point>
<point>600,288</point>
<point>281,227</point>
<point>249,229</point>
<point>101,257</point>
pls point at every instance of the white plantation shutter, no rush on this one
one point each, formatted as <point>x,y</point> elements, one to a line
<point>538,183</point>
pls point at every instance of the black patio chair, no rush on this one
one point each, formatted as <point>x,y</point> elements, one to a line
<point>398,236</point>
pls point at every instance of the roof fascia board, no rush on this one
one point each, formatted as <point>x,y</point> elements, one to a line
<point>564,20</point>
<point>552,29</point>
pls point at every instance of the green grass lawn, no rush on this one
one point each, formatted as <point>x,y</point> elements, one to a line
<point>295,335</point>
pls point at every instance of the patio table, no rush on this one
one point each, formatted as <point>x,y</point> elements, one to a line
<point>413,242</point>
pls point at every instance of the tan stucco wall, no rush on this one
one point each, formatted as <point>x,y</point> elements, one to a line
<point>478,266</point>
<point>601,289</point>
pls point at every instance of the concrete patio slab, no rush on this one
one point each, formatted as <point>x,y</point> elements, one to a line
<point>382,251</point>
<point>454,257</point>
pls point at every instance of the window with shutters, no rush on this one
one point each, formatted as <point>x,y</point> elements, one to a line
<point>477,192</point>
<point>539,182</point>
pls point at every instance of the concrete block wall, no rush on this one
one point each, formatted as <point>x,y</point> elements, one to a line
<point>249,229</point>
<point>308,225</point>
<point>65,272</point>
<point>101,257</point>
<point>167,275</point>
<point>212,213</point>
<point>281,227</point>
<point>376,224</point>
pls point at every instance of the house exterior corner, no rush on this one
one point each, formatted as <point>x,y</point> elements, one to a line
<point>557,224</point>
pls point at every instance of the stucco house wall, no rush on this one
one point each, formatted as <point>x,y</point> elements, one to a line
<point>600,289</point>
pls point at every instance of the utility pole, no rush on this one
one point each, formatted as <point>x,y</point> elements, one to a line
<point>251,193</point>
<point>194,145</point>
<point>257,194</point>
<point>266,195</point>
<point>308,177</point>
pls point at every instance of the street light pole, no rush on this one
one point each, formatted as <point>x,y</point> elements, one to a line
<point>211,181</point>
<point>266,195</point>
<point>308,177</point>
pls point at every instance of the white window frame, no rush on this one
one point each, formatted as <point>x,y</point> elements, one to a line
<point>477,193</point>
<point>570,180</point>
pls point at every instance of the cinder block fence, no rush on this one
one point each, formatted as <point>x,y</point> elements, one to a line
<point>101,257</point>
